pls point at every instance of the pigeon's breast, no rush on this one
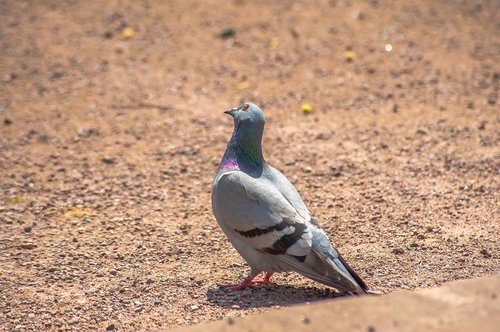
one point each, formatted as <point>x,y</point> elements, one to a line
<point>239,211</point>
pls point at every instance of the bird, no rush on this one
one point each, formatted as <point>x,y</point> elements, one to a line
<point>265,218</point>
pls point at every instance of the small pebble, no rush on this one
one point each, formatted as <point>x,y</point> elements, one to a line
<point>108,160</point>
<point>227,33</point>
<point>485,253</point>
<point>307,169</point>
<point>305,319</point>
<point>398,251</point>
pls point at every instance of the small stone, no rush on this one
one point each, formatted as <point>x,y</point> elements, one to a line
<point>357,15</point>
<point>371,329</point>
<point>56,74</point>
<point>113,272</point>
<point>230,321</point>
<point>492,100</point>
<point>227,33</point>
<point>194,307</point>
<point>43,138</point>
<point>307,169</point>
<point>395,108</point>
<point>422,131</point>
<point>485,253</point>
<point>28,246</point>
<point>7,122</point>
<point>108,160</point>
<point>111,327</point>
<point>336,172</point>
<point>398,251</point>
<point>9,77</point>
<point>323,136</point>
<point>27,229</point>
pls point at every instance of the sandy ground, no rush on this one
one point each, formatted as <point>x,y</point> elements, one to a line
<point>109,140</point>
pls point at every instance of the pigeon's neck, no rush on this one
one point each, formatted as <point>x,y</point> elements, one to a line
<point>244,152</point>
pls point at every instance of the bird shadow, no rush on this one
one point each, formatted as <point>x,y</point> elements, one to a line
<point>267,296</point>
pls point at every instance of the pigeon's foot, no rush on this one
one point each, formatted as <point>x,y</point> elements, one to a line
<point>248,282</point>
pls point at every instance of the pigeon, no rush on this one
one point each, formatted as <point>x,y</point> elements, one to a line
<point>265,218</point>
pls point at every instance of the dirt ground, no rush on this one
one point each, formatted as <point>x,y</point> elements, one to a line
<point>112,128</point>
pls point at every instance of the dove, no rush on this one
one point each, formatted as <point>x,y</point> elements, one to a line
<point>265,218</point>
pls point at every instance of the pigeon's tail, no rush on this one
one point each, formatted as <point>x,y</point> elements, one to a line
<point>331,272</point>
<point>339,272</point>
<point>361,284</point>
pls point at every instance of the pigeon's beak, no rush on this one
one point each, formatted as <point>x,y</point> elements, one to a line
<point>231,111</point>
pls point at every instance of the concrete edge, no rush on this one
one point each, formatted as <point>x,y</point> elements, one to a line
<point>463,305</point>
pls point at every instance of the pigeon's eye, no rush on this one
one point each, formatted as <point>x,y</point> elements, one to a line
<point>245,107</point>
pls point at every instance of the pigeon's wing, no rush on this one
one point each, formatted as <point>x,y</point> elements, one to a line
<point>325,265</point>
<point>287,189</point>
<point>257,213</point>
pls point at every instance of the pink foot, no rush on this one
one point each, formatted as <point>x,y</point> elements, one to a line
<point>248,282</point>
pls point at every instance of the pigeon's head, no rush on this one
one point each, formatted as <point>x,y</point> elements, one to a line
<point>245,145</point>
<point>248,114</point>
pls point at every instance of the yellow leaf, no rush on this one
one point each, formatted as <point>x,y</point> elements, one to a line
<point>77,213</point>
<point>349,55</point>
<point>244,85</point>
<point>128,33</point>
<point>274,43</point>
<point>306,108</point>
<point>14,200</point>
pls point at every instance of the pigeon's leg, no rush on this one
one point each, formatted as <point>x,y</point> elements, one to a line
<point>249,281</point>
<point>264,280</point>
